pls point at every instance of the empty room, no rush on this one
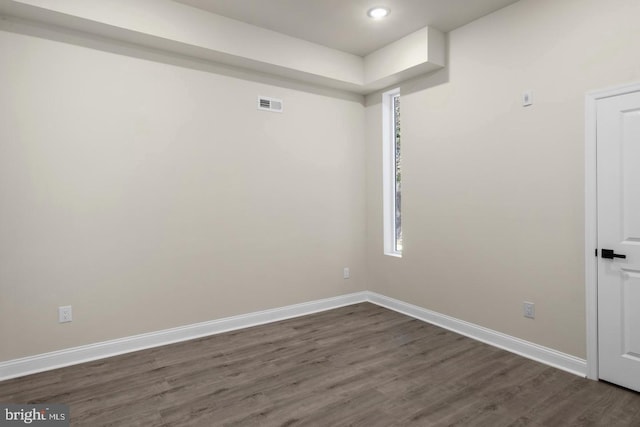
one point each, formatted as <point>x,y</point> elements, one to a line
<point>320,213</point>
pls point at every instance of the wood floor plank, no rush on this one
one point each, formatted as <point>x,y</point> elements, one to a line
<point>359,365</point>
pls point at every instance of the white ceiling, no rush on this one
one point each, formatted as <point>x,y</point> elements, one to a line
<point>343,24</point>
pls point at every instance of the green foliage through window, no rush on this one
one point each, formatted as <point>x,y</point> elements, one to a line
<point>398,173</point>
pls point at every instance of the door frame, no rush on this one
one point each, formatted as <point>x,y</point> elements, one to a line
<point>591,218</point>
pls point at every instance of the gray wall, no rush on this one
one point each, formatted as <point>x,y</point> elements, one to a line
<point>150,196</point>
<point>493,192</point>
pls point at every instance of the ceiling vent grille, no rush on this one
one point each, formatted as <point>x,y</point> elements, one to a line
<point>270,104</point>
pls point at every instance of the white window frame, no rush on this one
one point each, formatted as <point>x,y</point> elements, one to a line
<point>389,173</point>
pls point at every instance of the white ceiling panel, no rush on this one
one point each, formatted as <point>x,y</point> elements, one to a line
<point>343,24</point>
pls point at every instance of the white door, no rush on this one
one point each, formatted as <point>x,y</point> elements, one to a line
<point>618,172</point>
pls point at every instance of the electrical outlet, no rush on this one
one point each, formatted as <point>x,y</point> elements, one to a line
<point>346,273</point>
<point>65,314</point>
<point>529,310</point>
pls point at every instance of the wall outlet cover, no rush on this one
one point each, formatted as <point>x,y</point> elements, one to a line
<point>529,310</point>
<point>65,314</point>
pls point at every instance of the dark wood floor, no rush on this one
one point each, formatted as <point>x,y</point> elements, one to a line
<point>359,365</point>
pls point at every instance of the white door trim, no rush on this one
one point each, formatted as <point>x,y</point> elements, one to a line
<point>591,219</point>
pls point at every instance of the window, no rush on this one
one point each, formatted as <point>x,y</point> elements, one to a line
<point>392,173</point>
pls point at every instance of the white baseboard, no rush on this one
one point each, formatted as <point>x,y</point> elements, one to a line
<point>527,349</point>
<point>86,353</point>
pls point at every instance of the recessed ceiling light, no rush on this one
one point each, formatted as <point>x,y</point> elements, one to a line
<point>378,12</point>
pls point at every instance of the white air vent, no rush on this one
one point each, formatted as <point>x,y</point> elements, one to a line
<point>270,104</point>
